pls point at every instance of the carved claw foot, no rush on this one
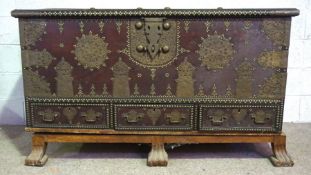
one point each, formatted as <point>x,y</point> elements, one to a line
<point>37,157</point>
<point>280,158</point>
<point>157,156</point>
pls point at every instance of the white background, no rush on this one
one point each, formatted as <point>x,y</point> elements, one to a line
<point>298,92</point>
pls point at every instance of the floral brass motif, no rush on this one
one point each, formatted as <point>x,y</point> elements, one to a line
<point>35,85</point>
<point>118,25</point>
<point>274,87</point>
<point>186,25</point>
<point>245,80</point>
<point>215,51</point>
<point>239,114</point>
<point>218,118</point>
<point>64,79</point>
<point>70,113</point>
<point>32,31</point>
<point>132,116</point>
<point>227,24</point>
<point>153,42</point>
<point>154,115</point>
<point>48,115</point>
<point>91,115</point>
<point>91,51</point>
<point>260,117</point>
<point>37,58</point>
<point>185,81</point>
<point>61,26</point>
<point>273,59</point>
<point>101,25</point>
<point>175,117</point>
<point>120,79</point>
<point>276,31</point>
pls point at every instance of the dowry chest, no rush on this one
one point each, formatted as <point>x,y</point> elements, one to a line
<point>155,76</point>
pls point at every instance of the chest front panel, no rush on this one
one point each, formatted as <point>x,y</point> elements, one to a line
<point>218,58</point>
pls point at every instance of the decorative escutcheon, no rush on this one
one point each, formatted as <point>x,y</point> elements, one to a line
<point>153,29</point>
<point>132,116</point>
<point>70,113</point>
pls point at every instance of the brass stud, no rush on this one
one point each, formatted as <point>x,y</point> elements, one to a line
<point>166,25</point>
<point>139,25</point>
<point>140,48</point>
<point>165,49</point>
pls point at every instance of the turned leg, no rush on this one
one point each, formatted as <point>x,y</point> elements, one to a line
<point>157,156</point>
<point>280,158</point>
<point>37,157</point>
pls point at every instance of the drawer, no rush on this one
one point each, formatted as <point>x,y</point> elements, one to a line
<point>241,117</point>
<point>153,117</point>
<point>68,115</point>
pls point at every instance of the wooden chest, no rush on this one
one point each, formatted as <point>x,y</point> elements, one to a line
<point>155,76</point>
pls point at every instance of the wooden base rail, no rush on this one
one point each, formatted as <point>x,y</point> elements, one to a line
<point>158,156</point>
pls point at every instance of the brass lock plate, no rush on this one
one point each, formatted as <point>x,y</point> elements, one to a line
<point>153,42</point>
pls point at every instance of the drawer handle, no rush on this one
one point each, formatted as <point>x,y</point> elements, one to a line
<point>218,118</point>
<point>260,117</point>
<point>91,115</point>
<point>133,116</point>
<point>175,117</point>
<point>48,115</point>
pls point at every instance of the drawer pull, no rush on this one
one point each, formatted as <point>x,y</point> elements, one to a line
<point>175,117</point>
<point>133,116</point>
<point>260,117</point>
<point>48,115</point>
<point>91,115</point>
<point>218,118</point>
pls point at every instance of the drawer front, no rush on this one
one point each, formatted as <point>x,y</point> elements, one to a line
<point>153,117</point>
<point>240,117</point>
<point>67,115</point>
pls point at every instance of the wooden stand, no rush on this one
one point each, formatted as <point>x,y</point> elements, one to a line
<point>158,156</point>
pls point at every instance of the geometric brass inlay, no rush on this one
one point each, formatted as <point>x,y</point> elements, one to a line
<point>64,79</point>
<point>276,31</point>
<point>36,58</point>
<point>35,85</point>
<point>91,51</point>
<point>215,51</point>
<point>32,32</point>
<point>273,59</point>
<point>185,81</point>
<point>273,87</point>
<point>120,79</point>
<point>244,80</point>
